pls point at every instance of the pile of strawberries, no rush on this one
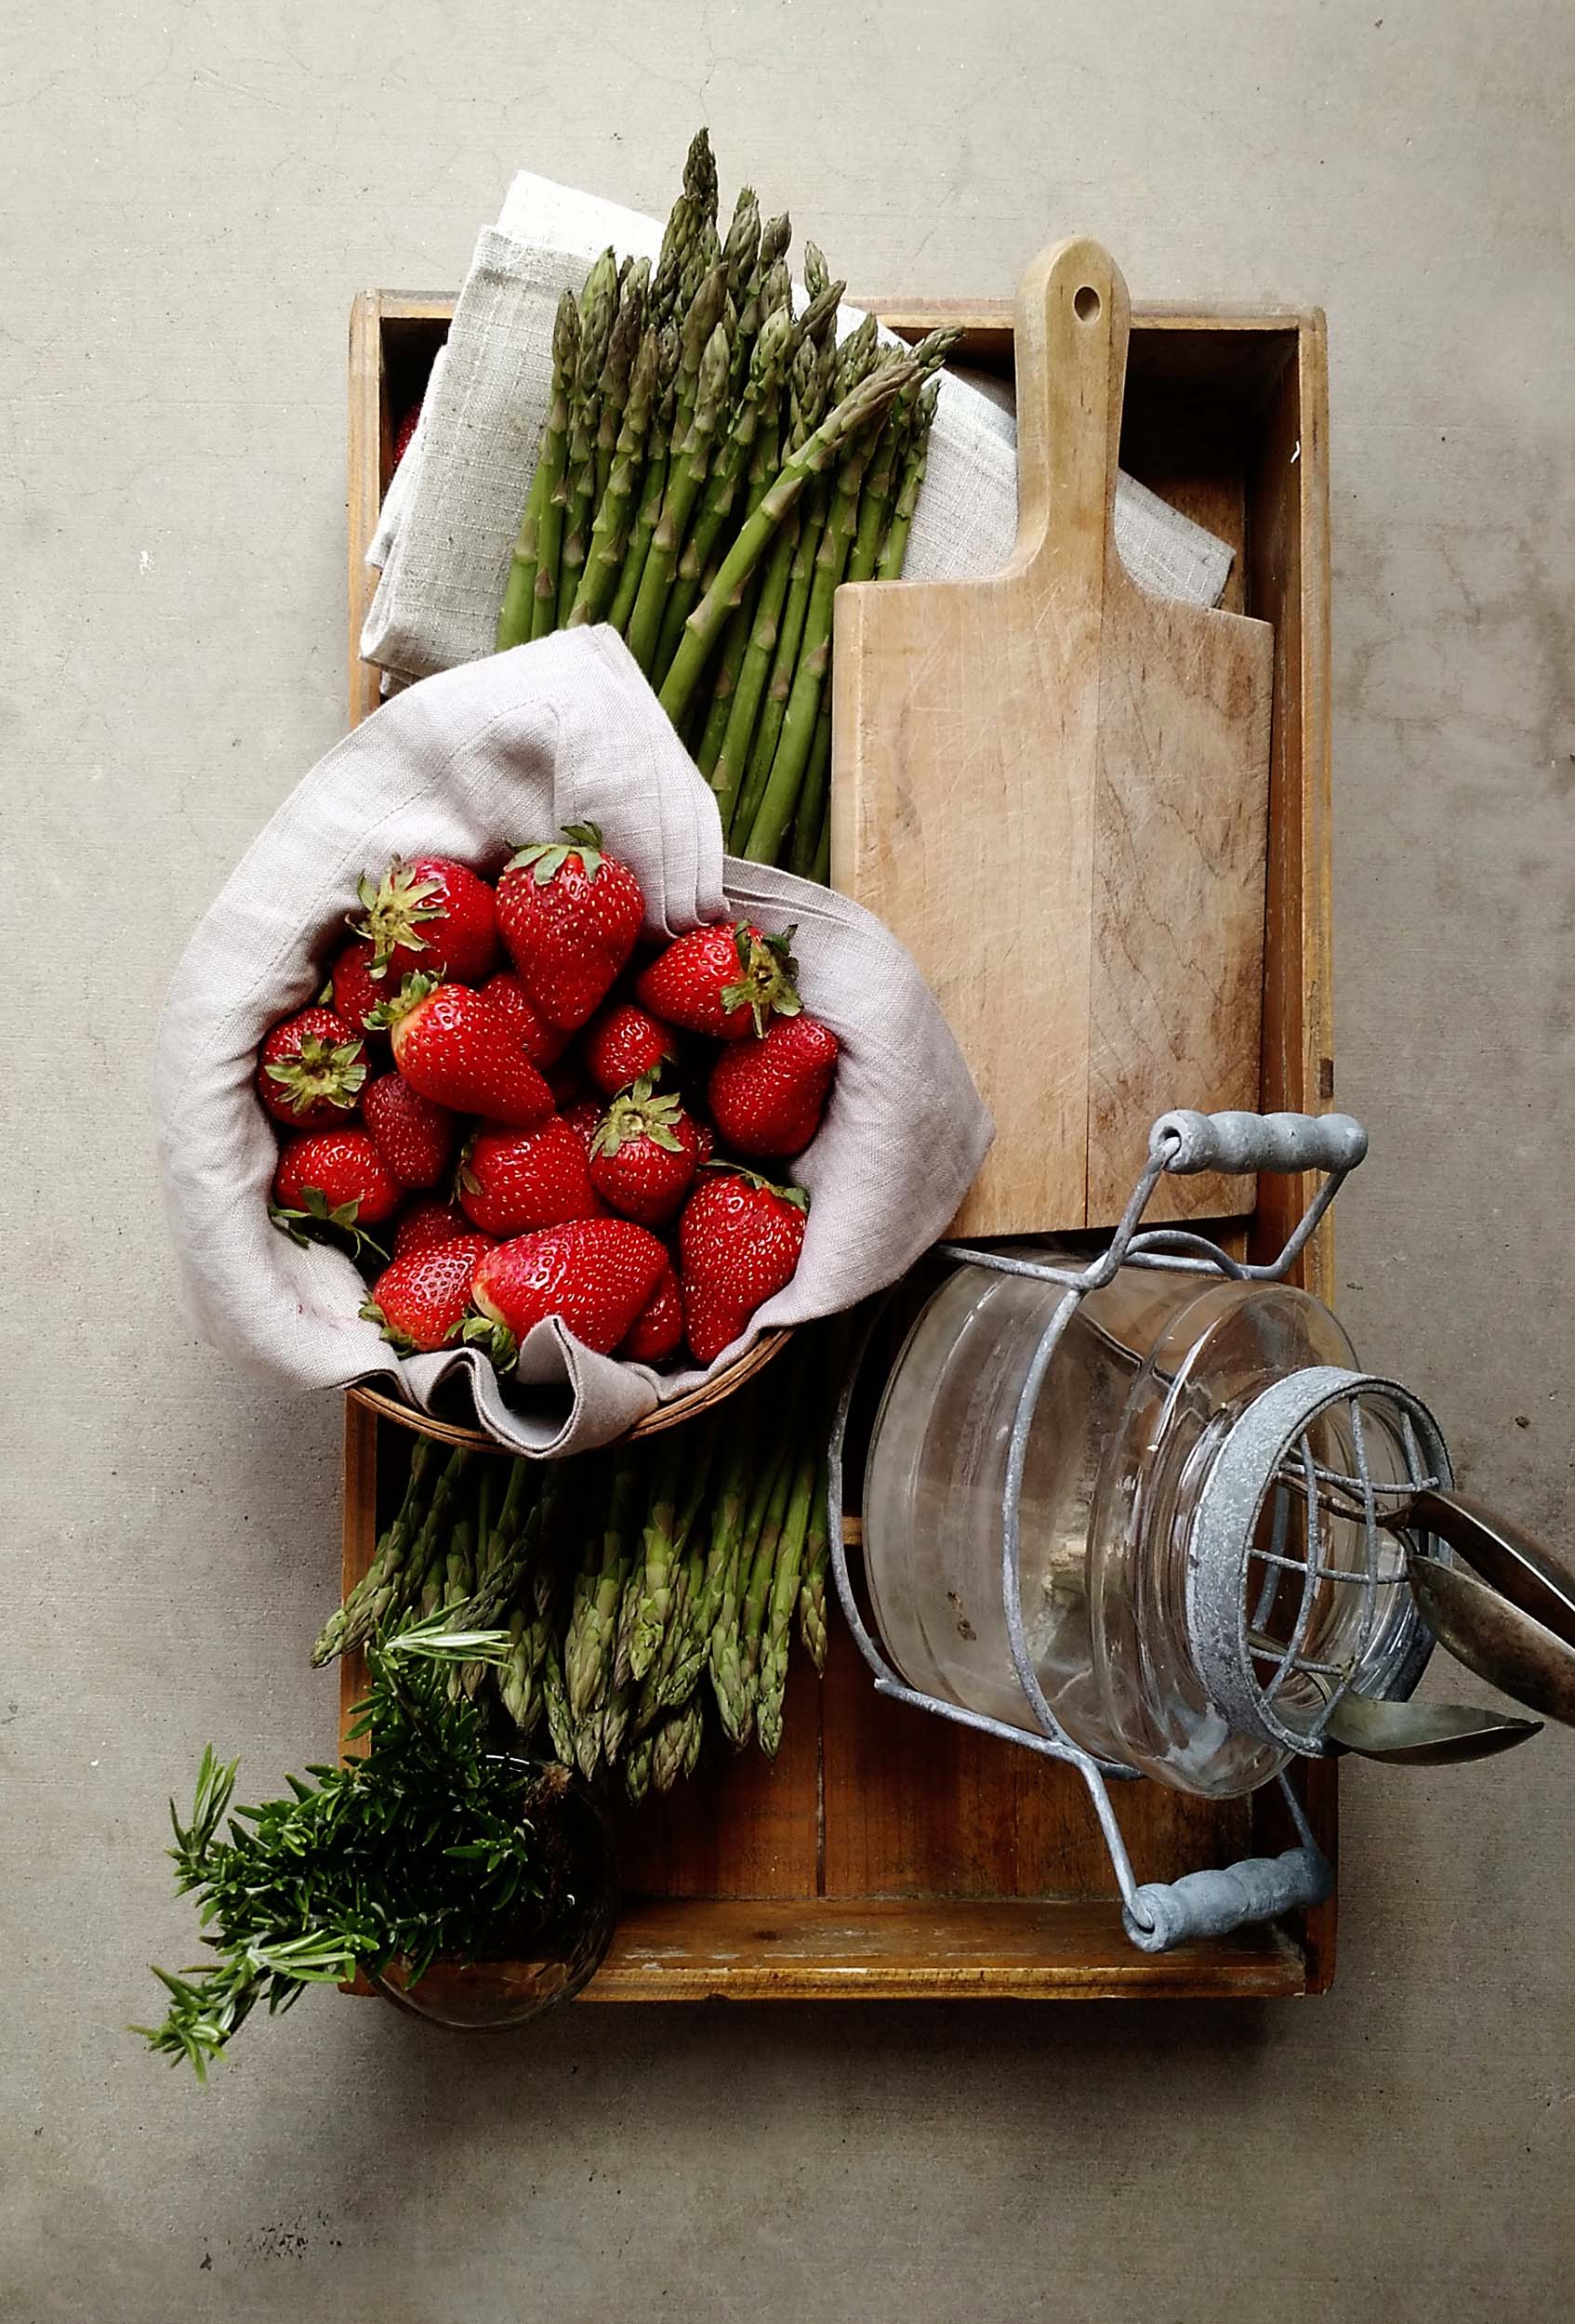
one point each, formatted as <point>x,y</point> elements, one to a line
<point>574,1134</point>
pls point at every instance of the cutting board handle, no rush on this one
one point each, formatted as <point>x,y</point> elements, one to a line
<point>1072,322</point>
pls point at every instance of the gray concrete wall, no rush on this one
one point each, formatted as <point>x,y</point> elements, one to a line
<point>192,194</point>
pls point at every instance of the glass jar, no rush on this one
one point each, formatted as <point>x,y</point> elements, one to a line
<point>1153,1375</point>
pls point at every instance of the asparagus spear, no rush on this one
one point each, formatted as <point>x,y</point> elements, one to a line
<point>814,800</point>
<point>553,460</point>
<point>816,272</point>
<point>702,382</point>
<point>515,619</point>
<point>784,1598</point>
<point>730,1674</point>
<point>614,515</point>
<point>675,1747</point>
<point>894,553</point>
<point>818,1550</point>
<point>652,483</point>
<point>588,1648</point>
<point>362,1611</point>
<point>637,1769</point>
<point>555,1701</point>
<point>622,349</point>
<point>727,471</point>
<point>704,626</point>
<point>779,799</point>
<point>597,317</point>
<point>648,1598</point>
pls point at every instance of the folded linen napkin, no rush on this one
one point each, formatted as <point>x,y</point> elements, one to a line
<point>447,529</point>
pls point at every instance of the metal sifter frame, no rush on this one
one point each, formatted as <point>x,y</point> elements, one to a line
<point>1158,1915</point>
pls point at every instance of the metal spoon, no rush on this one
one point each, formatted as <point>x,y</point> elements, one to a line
<point>1494,1638</point>
<point>1519,1567</point>
<point>1424,1735</point>
<point>1411,1734</point>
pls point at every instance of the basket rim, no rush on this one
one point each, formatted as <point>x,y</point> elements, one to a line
<point>388,1406</point>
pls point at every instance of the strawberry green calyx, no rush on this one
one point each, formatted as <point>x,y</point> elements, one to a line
<point>414,990</point>
<point>400,1341</point>
<point>797,1195</point>
<point>638,1112</point>
<point>322,1072</point>
<point>393,912</point>
<point>767,969</point>
<point>312,1224</point>
<point>548,856</point>
<point>496,1338</point>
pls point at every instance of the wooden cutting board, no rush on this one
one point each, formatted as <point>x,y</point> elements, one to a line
<point>1053,787</point>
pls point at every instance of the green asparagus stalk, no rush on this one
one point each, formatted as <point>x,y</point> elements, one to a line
<point>785,1588</point>
<point>756,1594</point>
<point>816,272</point>
<point>894,553</point>
<point>554,460</point>
<point>372,1596</point>
<point>729,1666</point>
<point>822,871</point>
<point>728,471</point>
<point>823,448</point>
<point>675,1747</point>
<point>817,1554</point>
<point>614,515</point>
<point>653,478</point>
<point>648,1598</point>
<point>597,318</point>
<point>555,1701</point>
<point>699,414</point>
<point>779,799</point>
<point>813,801</point>
<point>516,616</point>
<point>588,1649</point>
<point>741,250</point>
<point>637,1769</point>
<point>705,258</point>
<point>622,349</point>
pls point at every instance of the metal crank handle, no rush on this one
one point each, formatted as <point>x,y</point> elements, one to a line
<point>1250,1143</point>
<point>1210,1904</point>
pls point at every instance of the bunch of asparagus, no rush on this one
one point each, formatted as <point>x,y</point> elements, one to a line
<point>648,1593</point>
<point>713,465</point>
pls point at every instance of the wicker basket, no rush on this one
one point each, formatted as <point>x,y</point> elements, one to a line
<point>688,1406</point>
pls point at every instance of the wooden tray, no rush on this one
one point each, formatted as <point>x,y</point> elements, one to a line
<point>886,1854</point>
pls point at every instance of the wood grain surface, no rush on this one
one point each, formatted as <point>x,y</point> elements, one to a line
<point>1052,785</point>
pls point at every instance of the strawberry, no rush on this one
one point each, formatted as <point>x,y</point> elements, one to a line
<point>355,992</point>
<point>598,1274</point>
<point>624,1042</point>
<point>705,1143</point>
<point>584,1117</point>
<point>431,914</point>
<point>513,1181</point>
<point>645,1154</point>
<point>463,1050</point>
<point>767,1096</point>
<point>658,1328</point>
<point>725,981</point>
<point>425,1224</point>
<point>544,1043</point>
<point>406,430</point>
<point>570,916</point>
<point>414,1138</point>
<point>310,1069</point>
<point>334,1177</point>
<point>421,1300</point>
<point>738,1243</point>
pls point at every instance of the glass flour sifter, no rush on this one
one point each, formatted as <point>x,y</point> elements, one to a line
<point>1145,1515</point>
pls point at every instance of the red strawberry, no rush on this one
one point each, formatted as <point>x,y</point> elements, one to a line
<point>356,991</point>
<point>598,1274</point>
<point>544,1043</point>
<point>431,915</point>
<point>513,1181</point>
<point>767,1096</point>
<point>739,1243</point>
<point>406,430</point>
<point>584,1119</point>
<point>644,1154</point>
<point>463,1050</point>
<point>570,916</point>
<point>624,1042</point>
<point>421,1301</point>
<point>725,981</point>
<point>310,1069</point>
<point>658,1328</point>
<point>425,1224</point>
<point>337,1178</point>
<point>415,1137</point>
<point>705,1143</point>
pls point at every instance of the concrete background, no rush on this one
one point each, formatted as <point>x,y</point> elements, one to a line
<point>192,194</point>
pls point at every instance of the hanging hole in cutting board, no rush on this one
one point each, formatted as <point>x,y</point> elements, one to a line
<point>1085,303</point>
